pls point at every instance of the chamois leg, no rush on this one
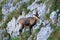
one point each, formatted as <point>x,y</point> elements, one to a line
<point>21,29</point>
<point>30,30</point>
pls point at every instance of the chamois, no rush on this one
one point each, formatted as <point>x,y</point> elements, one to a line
<point>29,21</point>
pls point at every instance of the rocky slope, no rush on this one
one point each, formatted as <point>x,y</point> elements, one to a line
<point>47,27</point>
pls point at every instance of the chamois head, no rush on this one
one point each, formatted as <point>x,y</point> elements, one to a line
<point>36,15</point>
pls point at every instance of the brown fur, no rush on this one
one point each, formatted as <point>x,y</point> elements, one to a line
<point>30,22</point>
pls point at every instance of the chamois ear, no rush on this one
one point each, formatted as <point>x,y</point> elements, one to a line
<point>36,12</point>
<point>20,12</point>
<point>37,15</point>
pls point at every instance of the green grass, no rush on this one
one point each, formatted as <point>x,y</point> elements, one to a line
<point>25,35</point>
<point>55,35</point>
<point>53,7</point>
<point>57,3</point>
<point>5,34</point>
<point>16,1</point>
<point>24,6</point>
<point>47,16</point>
<point>34,34</point>
<point>0,13</point>
<point>43,1</point>
<point>4,2</point>
<point>16,38</point>
<point>39,2</point>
